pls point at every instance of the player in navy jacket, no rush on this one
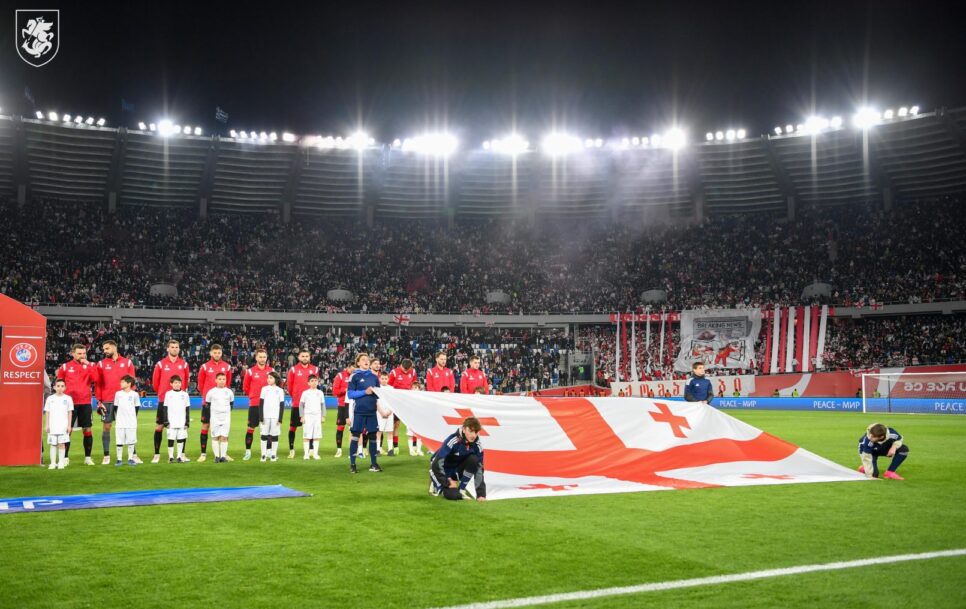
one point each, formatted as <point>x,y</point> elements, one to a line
<point>698,388</point>
<point>458,462</point>
<point>360,390</point>
<point>881,441</point>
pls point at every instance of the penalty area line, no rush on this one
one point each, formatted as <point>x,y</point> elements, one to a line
<point>529,601</point>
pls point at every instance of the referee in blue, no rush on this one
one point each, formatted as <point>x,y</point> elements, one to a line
<point>698,388</point>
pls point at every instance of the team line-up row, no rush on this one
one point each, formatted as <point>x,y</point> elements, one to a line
<point>112,380</point>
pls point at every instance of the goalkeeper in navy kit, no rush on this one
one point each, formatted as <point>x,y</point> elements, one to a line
<point>457,463</point>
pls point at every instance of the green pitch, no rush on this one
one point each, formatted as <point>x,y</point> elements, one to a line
<point>379,540</point>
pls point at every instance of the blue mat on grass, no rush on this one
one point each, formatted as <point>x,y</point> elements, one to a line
<point>53,503</point>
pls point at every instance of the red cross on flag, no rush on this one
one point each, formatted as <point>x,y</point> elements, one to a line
<point>401,318</point>
<point>544,446</point>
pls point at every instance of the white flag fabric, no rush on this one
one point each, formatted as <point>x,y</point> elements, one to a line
<point>542,446</point>
<point>721,338</point>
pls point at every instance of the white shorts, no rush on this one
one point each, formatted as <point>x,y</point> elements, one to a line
<point>177,433</point>
<point>54,439</point>
<point>219,430</point>
<point>126,437</point>
<point>385,424</point>
<point>312,428</point>
<point>270,427</point>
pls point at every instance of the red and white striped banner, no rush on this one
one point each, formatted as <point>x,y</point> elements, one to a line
<point>795,338</point>
<point>535,447</point>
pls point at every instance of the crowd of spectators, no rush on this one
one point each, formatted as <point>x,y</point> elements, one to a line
<point>81,254</point>
<point>513,360</point>
<point>913,340</point>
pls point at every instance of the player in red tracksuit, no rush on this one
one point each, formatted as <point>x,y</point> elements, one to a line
<point>402,377</point>
<point>339,387</point>
<point>297,381</point>
<point>256,377</point>
<point>172,365</point>
<point>109,372</point>
<point>474,378</point>
<point>79,375</point>
<point>206,382</point>
<point>440,376</point>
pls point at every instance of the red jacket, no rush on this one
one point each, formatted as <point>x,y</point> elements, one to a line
<point>79,378</point>
<point>340,385</point>
<point>400,379</point>
<point>164,370</point>
<point>437,378</point>
<point>255,379</point>
<point>471,379</point>
<point>207,373</point>
<point>298,381</point>
<point>108,373</point>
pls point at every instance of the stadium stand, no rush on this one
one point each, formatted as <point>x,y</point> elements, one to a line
<point>80,254</point>
<point>514,360</point>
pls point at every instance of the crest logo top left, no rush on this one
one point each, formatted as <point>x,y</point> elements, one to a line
<point>37,35</point>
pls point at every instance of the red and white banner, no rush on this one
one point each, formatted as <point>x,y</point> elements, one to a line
<point>402,319</point>
<point>540,447</point>
<point>724,386</point>
<point>795,338</point>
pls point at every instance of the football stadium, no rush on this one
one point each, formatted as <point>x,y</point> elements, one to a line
<point>482,306</point>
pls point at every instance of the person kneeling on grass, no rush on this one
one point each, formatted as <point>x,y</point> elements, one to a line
<point>458,462</point>
<point>881,441</point>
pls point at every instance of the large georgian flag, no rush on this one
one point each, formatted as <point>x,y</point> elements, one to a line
<point>536,447</point>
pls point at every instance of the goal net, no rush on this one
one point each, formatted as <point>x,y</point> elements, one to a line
<point>915,392</point>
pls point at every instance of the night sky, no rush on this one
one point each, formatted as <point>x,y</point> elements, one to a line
<point>595,68</point>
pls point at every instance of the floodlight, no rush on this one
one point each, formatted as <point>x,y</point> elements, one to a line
<point>165,128</point>
<point>866,118</point>
<point>560,144</point>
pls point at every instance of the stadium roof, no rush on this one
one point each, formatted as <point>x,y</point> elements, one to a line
<point>911,157</point>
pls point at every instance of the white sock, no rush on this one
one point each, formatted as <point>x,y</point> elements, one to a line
<point>130,452</point>
<point>305,443</point>
<point>53,454</point>
<point>120,452</point>
<point>171,452</point>
<point>180,444</point>
<point>216,446</point>
<point>264,446</point>
<point>61,449</point>
<point>274,446</point>
<point>224,448</point>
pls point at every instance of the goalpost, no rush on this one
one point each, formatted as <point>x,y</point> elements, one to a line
<point>914,392</point>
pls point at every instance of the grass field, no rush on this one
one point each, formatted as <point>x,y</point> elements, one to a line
<point>379,540</point>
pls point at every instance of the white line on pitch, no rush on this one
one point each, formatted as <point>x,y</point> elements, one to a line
<point>529,601</point>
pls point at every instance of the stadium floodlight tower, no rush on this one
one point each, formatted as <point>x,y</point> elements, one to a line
<point>866,118</point>
<point>675,139</point>
<point>511,145</point>
<point>558,144</point>
<point>438,144</point>
<point>165,128</point>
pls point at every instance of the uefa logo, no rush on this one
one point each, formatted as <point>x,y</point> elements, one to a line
<point>23,355</point>
<point>37,35</point>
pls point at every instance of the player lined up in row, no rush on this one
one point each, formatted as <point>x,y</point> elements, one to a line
<point>105,377</point>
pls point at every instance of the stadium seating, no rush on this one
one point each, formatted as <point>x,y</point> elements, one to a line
<point>514,360</point>
<point>79,254</point>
